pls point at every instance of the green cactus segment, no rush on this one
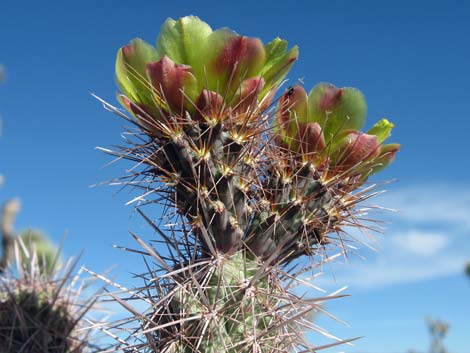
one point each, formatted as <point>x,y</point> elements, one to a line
<point>302,209</point>
<point>232,310</point>
<point>190,58</point>
<point>221,187</point>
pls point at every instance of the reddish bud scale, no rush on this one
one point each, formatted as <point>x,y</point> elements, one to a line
<point>359,147</point>
<point>168,78</point>
<point>248,94</point>
<point>127,51</point>
<point>331,98</point>
<point>293,107</point>
<point>209,105</point>
<point>239,51</point>
<point>311,139</point>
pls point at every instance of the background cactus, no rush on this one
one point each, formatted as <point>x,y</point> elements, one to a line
<point>40,308</point>
<point>250,186</point>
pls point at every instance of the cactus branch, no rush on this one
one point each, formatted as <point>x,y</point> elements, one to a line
<point>9,212</point>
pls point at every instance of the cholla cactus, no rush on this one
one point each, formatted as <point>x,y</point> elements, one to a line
<point>41,310</point>
<point>256,185</point>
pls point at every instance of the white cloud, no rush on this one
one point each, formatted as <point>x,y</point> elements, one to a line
<point>420,243</point>
<point>381,273</point>
<point>427,239</point>
<point>441,203</point>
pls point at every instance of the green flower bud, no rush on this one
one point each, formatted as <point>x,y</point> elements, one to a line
<point>190,58</point>
<point>181,41</point>
<point>353,149</point>
<point>382,129</point>
<point>209,105</point>
<point>385,157</point>
<point>131,66</point>
<point>336,109</point>
<point>232,59</point>
<point>292,109</point>
<point>174,84</point>
<point>278,62</point>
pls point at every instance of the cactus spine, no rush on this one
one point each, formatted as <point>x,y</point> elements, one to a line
<point>252,186</point>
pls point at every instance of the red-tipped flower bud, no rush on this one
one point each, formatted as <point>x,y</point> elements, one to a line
<point>209,105</point>
<point>355,148</point>
<point>311,140</point>
<point>336,109</point>
<point>234,59</point>
<point>172,83</point>
<point>386,156</point>
<point>247,94</point>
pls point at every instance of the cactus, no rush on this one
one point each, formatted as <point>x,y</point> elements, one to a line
<point>254,187</point>
<point>41,309</point>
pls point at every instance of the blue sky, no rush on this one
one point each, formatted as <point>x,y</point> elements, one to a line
<point>409,58</point>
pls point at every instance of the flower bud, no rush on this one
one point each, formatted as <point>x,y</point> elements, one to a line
<point>209,105</point>
<point>336,109</point>
<point>172,83</point>
<point>232,59</point>
<point>385,157</point>
<point>246,96</point>
<point>292,109</point>
<point>131,66</point>
<point>310,139</point>
<point>278,63</point>
<point>182,41</point>
<point>382,129</point>
<point>354,148</point>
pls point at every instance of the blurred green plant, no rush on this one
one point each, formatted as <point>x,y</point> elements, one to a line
<point>37,244</point>
<point>438,330</point>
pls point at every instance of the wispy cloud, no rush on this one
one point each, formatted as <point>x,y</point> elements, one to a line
<point>427,239</point>
<point>430,204</point>
<point>420,243</point>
